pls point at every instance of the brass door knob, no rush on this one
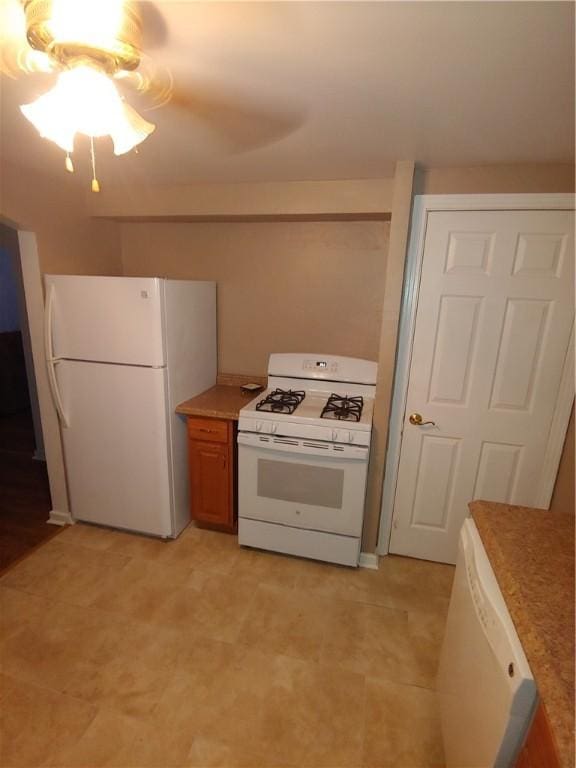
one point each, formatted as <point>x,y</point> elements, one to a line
<point>416,419</point>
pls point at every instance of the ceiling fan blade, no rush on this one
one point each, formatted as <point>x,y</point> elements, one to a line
<point>18,58</point>
<point>154,27</point>
<point>238,122</point>
<point>152,82</point>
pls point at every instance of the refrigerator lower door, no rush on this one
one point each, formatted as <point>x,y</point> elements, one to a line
<point>116,445</point>
<point>106,319</point>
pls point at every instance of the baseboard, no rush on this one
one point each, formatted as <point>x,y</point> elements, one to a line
<point>60,518</point>
<point>39,456</point>
<point>368,560</point>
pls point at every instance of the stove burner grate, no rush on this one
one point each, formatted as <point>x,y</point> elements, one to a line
<point>281,401</point>
<point>343,408</point>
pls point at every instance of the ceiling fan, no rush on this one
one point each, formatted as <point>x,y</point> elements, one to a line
<point>94,49</point>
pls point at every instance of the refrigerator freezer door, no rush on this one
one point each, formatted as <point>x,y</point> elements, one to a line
<point>116,445</point>
<point>107,319</point>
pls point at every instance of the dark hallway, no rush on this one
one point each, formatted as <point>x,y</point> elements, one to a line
<point>24,491</point>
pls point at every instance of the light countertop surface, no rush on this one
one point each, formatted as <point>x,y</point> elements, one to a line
<point>532,555</point>
<point>223,401</point>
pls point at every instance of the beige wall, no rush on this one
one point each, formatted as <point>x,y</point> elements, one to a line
<point>69,241</point>
<point>495,179</point>
<point>282,287</point>
<point>563,496</point>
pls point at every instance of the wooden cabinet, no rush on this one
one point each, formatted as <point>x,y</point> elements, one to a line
<point>539,750</point>
<point>212,462</point>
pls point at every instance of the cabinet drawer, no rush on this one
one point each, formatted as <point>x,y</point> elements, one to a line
<point>216,430</point>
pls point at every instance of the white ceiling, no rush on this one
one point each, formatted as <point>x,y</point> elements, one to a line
<point>336,90</point>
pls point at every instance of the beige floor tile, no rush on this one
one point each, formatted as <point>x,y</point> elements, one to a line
<point>90,536</point>
<point>415,585</point>
<point>204,550</point>
<point>157,744</point>
<point>286,622</point>
<point>37,724</point>
<point>268,568</point>
<point>273,706</point>
<point>19,609</point>
<point>401,583</point>
<point>106,743</point>
<point>367,639</point>
<point>140,589</point>
<point>426,632</point>
<point>125,685</point>
<point>212,604</point>
<point>340,583</point>
<point>136,545</point>
<point>402,727</point>
<point>383,642</point>
<point>36,568</point>
<point>205,753</point>
<point>49,652</point>
<point>66,572</point>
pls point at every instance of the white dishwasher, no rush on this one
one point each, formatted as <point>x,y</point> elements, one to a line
<point>486,690</point>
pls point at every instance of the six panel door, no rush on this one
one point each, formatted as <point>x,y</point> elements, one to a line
<point>493,325</point>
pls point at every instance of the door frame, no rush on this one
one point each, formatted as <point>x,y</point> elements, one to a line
<point>422,206</point>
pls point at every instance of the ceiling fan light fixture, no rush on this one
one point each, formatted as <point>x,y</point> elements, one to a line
<point>84,100</point>
<point>130,131</point>
<point>109,31</point>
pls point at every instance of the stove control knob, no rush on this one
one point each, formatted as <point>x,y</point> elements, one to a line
<point>334,436</point>
<point>273,428</point>
<point>350,437</point>
<point>258,426</point>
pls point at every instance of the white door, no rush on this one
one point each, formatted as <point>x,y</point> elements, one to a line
<point>106,319</point>
<point>495,313</point>
<point>116,445</point>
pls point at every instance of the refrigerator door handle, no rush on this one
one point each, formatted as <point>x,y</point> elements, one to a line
<point>50,360</point>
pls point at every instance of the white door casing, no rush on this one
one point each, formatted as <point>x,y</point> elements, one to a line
<point>495,310</point>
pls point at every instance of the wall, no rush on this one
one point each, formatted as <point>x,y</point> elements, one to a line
<point>69,241</point>
<point>563,496</point>
<point>282,286</point>
<point>495,179</point>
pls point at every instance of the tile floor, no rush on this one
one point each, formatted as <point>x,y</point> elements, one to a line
<point>118,650</point>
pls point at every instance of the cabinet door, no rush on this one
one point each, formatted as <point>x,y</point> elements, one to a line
<point>539,750</point>
<point>210,480</point>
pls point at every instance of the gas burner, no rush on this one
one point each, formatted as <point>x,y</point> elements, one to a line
<point>343,408</point>
<point>281,401</point>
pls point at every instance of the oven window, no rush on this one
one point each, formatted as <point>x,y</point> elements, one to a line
<point>300,483</point>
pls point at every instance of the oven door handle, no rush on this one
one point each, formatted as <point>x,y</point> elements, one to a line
<point>302,446</point>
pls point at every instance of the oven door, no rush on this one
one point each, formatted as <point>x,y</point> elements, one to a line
<point>303,483</point>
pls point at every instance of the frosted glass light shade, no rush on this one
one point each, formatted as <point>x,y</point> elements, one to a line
<point>85,100</point>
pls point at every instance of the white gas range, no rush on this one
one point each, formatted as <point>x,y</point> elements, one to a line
<point>303,449</point>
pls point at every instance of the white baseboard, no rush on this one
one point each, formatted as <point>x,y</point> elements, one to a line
<point>60,518</point>
<point>368,560</point>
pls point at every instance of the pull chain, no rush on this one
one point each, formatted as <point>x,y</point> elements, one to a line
<point>68,163</point>
<point>95,185</point>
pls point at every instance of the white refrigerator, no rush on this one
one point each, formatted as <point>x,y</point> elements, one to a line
<point>122,352</point>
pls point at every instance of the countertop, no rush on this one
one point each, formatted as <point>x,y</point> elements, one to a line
<point>223,401</point>
<point>532,554</point>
